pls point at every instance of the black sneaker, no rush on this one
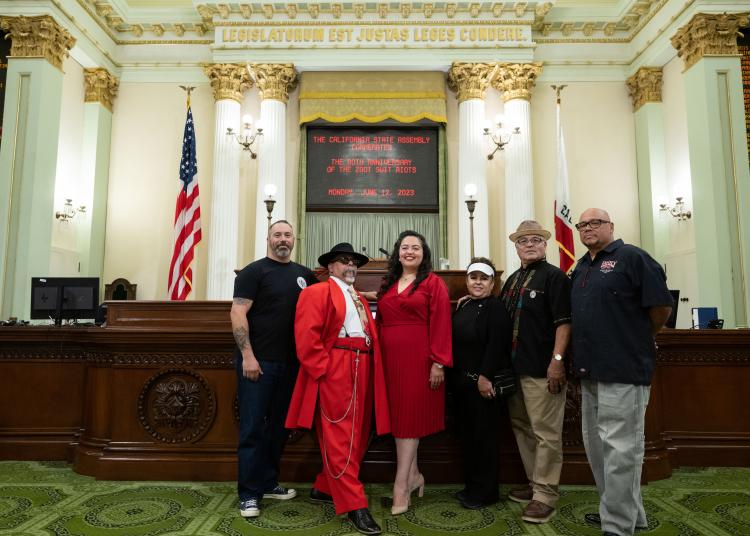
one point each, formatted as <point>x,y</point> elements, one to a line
<point>250,508</point>
<point>281,493</point>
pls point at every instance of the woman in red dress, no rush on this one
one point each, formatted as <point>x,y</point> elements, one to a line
<point>414,319</point>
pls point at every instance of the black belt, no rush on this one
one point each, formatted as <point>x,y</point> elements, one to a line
<point>360,350</point>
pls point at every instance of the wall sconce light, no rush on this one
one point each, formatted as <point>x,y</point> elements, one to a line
<point>471,190</point>
<point>500,136</point>
<point>270,191</point>
<point>68,212</point>
<point>249,134</point>
<point>678,210</point>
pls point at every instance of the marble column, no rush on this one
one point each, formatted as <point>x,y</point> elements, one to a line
<point>274,82</point>
<point>100,92</point>
<point>470,82</point>
<point>717,146</point>
<point>516,81</point>
<point>228,81</point>
<point>644,88</point>
<point>28,157</point>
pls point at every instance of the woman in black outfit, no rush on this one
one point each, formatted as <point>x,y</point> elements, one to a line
<point>481,347</point>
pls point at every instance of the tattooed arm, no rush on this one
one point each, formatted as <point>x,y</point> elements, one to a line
<point>250,366</point>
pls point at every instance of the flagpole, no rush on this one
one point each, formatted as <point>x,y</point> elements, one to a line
<point>186,226</point>
<point>562,210</point>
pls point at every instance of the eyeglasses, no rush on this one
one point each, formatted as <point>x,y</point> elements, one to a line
<point>345,259</point>
<point>593,224</point>
<point>534,241</point>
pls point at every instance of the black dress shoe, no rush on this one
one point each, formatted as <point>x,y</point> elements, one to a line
<point>595,519</point>
<point>461,495</point>
<point>318,496</point>
<point>474,504</point>
<point>363,521</point>
<point>592,519</point>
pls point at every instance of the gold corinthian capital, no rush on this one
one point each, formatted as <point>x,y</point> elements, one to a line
<point>274,80</point>
<point>38,37</point>
<point>100,86</point>
<point>228,80</point>
<point>470,80</point>
<point>516,80</point>
<point>645,86</point>
<point>709,34</point>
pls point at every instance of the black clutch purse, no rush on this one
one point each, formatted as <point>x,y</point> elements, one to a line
<point>504,383</point>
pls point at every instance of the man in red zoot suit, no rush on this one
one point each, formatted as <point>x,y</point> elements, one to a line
<point>341,374</point>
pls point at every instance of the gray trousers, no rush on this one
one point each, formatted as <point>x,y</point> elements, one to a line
<point>613,434</point>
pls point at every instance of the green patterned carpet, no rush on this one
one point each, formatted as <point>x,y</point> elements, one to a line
<point>50,499</point>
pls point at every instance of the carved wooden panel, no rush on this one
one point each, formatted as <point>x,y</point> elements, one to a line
<point>176,406</point>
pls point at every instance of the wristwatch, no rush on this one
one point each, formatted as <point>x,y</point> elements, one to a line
<point>557,357</point>
<point>439,365</point>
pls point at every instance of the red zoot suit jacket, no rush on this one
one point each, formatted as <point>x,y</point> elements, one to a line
<point>320,314</point>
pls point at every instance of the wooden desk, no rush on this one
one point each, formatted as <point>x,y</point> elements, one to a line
<point>153,396</point>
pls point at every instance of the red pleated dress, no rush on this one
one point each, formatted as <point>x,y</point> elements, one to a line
<point>415,331</point>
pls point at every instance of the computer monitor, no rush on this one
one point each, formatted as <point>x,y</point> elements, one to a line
<point>59,298</point>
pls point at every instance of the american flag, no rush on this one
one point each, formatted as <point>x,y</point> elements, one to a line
<point>187,218</point>
<point>563,220</point>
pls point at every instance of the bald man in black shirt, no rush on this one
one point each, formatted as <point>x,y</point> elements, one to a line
<point>620,301</point>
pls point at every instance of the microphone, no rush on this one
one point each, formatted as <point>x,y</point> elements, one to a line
<point>364,250</point>
<point>384,252</point>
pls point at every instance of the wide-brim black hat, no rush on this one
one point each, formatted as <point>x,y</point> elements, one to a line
<point>344,248</point>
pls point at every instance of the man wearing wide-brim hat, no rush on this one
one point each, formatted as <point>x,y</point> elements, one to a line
<point>341,374</point>
<point>537,297</point>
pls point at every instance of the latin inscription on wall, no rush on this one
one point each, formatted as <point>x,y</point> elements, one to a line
<point>443,35</point>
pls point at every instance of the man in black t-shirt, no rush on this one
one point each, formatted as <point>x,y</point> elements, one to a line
<point>265,299</point>
<point>537,297</point>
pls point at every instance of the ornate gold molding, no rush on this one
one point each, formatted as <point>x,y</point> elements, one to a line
<point>470,80</point>
<point>38,37</point>
<point>645,86</point>
<point>100,86</point>
<point>516,80</point>
<point>274,80</point>
<point>709,34</point>
<point>228,80</point>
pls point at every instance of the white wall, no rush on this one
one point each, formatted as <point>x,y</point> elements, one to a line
<point>64,256</point>
<point>147,129</point>
<point>680,259</point>
<point>597,122</point>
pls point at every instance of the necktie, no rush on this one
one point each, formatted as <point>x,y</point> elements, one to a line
<point>360,311</point>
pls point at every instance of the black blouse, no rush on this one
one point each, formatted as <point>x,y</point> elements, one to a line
<point>481,337</point>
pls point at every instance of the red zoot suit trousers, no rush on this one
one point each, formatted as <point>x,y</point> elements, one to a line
<point>341,384</point>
